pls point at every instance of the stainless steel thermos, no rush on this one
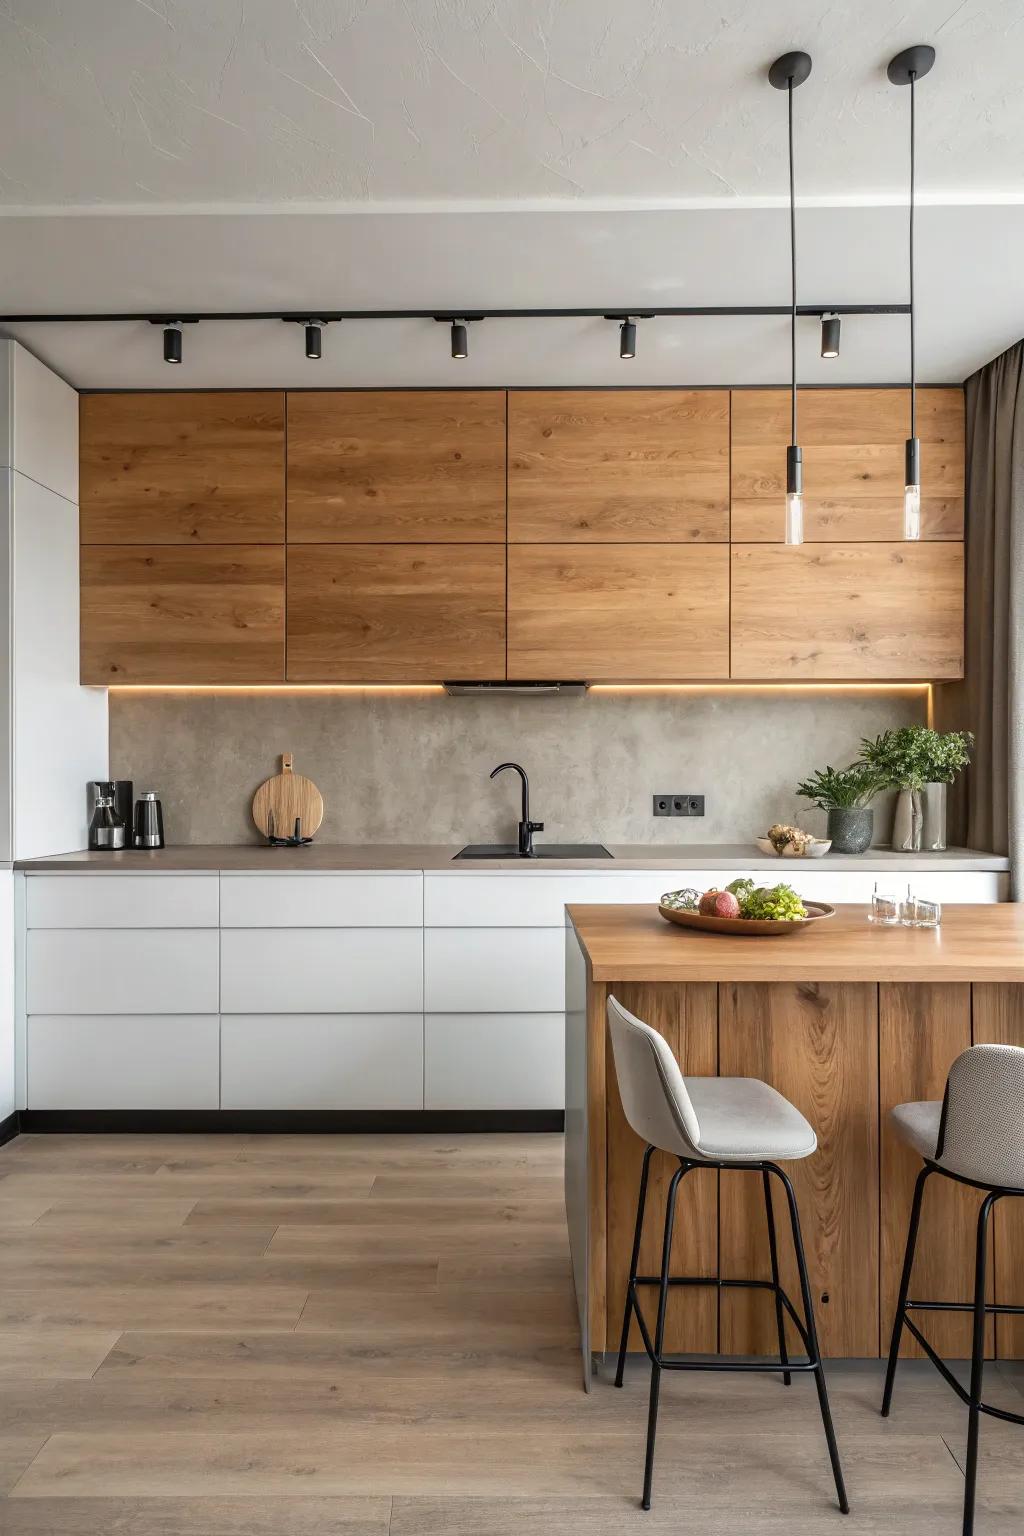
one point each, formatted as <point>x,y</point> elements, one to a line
<point>149,821</point>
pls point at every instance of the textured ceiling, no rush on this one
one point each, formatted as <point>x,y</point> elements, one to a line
<point>242,101</point>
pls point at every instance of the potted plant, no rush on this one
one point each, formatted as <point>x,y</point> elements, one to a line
<point>920,763</point>
<point>844,794</point>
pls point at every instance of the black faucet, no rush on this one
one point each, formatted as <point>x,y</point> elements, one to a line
<point>526,827</point>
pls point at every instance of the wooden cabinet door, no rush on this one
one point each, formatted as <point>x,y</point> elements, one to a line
<point>854,470</point>
<point>847,611</point>
<point>818,1045</point>
<point>154,614</point>
<point>396,466</point>
<point>182,468</point>
<point>395,612</point>
<point>618,465</point>
<point>618,612</point>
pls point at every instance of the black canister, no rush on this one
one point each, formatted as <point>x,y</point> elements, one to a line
<point>107,832</point>
<point>149,821</point>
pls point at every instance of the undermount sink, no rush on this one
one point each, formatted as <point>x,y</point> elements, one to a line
<point>541,851</point>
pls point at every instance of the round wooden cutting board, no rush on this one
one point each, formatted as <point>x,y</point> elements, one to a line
<point>288,795</point>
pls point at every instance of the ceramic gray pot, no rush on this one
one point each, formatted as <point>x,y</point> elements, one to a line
<point>850,828</point>
<point>908,821</point>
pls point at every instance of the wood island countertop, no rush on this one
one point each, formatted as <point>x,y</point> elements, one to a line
<point>974,943</point>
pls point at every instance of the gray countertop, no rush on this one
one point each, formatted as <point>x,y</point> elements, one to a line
<point>255,857</point>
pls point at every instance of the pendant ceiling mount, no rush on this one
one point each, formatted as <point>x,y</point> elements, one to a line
<point>912,64</point>
<point>789,69</point>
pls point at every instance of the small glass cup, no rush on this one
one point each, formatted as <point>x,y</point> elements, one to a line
<point>908,910</point>
<point>929,913</point>
<point>884,908</point>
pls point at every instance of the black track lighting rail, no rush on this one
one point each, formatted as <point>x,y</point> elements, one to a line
<point>462,316</point>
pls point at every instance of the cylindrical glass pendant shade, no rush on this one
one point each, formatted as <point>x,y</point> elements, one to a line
<point>912,490</point>
<point>794,495</point>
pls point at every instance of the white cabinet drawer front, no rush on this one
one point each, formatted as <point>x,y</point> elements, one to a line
<point>151,1061</point>
<point>494,970</point>
<point>322,1061</point>
<point>160,970</point>
<point>321,970</point>
<point>855,885</point>
<point>121,901</point>
<point>494,1061</point>
<point>538,899</point>
<point>324,901</point>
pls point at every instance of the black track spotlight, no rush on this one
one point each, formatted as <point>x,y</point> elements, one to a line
<point>627,338</point>
<point>314,340</point>
<point>460,339</point>
<point>830,335</point>
<point>172,342</point>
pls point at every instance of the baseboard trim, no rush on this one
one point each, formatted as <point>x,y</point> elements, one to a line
<point>303,1122</point>
<point>9,1127</point>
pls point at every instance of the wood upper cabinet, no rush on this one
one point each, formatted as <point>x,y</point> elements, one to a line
<point>633,612</point>
<point>396,466</point>
<point>182,468</point>
<point>618,466</point>
<point>395,612</point>
<point>847,611</point>
<point>153,614</point>
<point>853,446</point>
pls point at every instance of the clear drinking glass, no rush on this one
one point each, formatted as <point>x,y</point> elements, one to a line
<point>929,913</point>
<point>884,908</point>
<point>908,910</point>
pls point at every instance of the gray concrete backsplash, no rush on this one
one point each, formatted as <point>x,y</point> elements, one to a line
<point>397,768</point>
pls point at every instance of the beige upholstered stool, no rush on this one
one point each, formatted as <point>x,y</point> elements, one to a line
<point>975,1136</point>
<point>728,1123</point>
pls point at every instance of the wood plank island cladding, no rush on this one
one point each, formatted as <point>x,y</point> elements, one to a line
<point>846,1021</point>
<point>618,535</point>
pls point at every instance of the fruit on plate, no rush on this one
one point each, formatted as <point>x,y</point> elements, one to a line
<point>741,898</point>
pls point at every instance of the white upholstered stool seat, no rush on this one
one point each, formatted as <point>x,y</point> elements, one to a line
<point>918,1125</point>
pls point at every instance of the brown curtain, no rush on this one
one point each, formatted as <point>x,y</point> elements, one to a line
<point>988,807</point>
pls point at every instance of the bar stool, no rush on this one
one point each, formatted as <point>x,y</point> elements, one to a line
<point>975,1137</point>
<point>728,1123</point>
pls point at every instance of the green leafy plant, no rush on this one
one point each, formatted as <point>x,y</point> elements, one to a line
<point>842,788</point>
<point>912,756</point>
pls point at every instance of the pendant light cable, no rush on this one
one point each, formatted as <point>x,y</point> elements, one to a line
<point>913,355</point>
<point>792,272</point>
<point>791,70</point>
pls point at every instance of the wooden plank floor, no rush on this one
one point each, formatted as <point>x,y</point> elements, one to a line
<point>374,1336</point>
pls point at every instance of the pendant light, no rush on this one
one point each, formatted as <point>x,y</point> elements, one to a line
<point>791,70</point>
<point>905,69</point>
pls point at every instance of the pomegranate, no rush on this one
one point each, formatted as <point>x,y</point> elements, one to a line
<point>716,903</point>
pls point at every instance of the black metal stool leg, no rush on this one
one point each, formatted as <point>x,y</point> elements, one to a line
<point>977,1364</point>
<point>812,1334</point>
<point>780,1321</point>
<point>627,1317</point>
<point>901,1306</point>
<point>659,1332</point>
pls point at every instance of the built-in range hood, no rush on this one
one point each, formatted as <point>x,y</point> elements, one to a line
<point>457,690</point>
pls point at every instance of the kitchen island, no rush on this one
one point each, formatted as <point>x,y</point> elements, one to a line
<point>846,1020</point>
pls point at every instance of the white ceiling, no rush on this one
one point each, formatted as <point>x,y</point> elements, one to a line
<point>168,155</point>
<point>240,101</point>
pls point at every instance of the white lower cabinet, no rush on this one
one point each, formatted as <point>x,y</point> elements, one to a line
<point>494,970</point>
<point>123,1061</point>
<point>142,970</point>
<point>321,970</point>
<point>493,1060</point>
<point>322,1061</point>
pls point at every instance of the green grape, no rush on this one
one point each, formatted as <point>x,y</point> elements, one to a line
<point>777,902</point>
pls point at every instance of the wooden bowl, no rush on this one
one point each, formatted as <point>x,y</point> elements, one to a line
<point>748,927</point>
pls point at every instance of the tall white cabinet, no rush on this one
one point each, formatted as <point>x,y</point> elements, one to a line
<point>53,732</point>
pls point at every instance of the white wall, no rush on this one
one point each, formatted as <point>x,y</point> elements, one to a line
<point>7,1098</point>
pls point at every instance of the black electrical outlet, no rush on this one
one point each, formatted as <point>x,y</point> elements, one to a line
<point>678,805</point>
